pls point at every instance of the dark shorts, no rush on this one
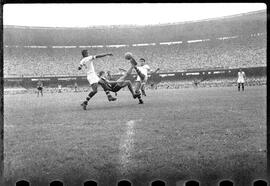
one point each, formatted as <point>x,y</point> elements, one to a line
<point>39,88</point>
<point>115,87</point>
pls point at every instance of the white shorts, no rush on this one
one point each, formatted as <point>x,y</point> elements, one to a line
<point>240,80</point>
<point>139,79</point>
<point>92,78</point>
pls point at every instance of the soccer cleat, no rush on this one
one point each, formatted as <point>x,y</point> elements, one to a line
<point>140,101</point>
<point>136,95</point>
<point>110,98</point>
<point>84,104</point>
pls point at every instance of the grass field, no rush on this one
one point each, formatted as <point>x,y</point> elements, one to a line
<point>206,134</point>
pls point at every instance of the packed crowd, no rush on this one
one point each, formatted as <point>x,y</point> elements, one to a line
<point>231,53</point>
<point>218,82</point>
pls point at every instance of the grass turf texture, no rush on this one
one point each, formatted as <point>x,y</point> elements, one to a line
<point>207,134</point>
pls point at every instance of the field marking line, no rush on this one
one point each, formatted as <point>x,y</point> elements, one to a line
<point>126,147</point>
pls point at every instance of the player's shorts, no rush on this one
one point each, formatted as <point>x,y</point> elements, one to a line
<point>240,80</point>
<point>115,87</point>
<point>142,81</point>
<point>39,88</point>
<point>92,78</point>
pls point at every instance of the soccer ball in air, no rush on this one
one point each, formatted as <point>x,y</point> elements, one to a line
<point>128,55</point>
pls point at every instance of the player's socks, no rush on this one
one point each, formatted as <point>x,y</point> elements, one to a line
<point>133,62</point>
<point>87,99</point>
<point>84,104</point>
<point>139,97</point>
<point>143,92</point>
<point>109,96</point>
<point>136,95</point>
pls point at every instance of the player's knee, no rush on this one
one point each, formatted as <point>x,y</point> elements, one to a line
<point>95,91</point>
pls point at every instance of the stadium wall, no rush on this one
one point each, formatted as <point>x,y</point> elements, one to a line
<point>69,81</point>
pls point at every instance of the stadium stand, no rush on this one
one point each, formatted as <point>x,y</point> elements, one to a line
<point>230,53</point>
<point>229,42</point>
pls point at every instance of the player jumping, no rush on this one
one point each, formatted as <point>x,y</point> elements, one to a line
<point>91,75</point>
<point>110,77</point>
<point>122,82</point>
<point>115,86</point>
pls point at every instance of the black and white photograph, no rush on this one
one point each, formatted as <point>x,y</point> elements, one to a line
<point>135,94</point>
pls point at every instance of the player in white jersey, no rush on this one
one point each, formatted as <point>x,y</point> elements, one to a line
<point>241,79</point>
<point>91,75</point>
<point>140,84</point>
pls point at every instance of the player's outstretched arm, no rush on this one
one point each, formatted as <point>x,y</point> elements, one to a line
<point>123,70</point>
<point>156,70</point>
<point>103,55</point>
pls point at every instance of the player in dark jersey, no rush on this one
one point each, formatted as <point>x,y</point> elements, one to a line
<point>154,79</point>
<point>39,88</point>
<point>115,86</point>
<point>110,78</point>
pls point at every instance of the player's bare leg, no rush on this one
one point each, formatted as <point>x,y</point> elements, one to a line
<point>143,89</point>
<point>127,73</point>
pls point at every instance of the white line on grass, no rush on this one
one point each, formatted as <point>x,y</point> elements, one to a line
<point>126,147</point>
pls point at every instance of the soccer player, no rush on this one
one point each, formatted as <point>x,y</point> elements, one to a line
<point>75,87</point>
<point>59,88</point>
<point>154,78</point>
<point>141,74</point>
<point>140,83</point>
<point>241,79</point>
<point>39,88</point>
<point>110,78</point>
<point>115,86</point>
<point>91,75</point>
<point>197,81</point>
